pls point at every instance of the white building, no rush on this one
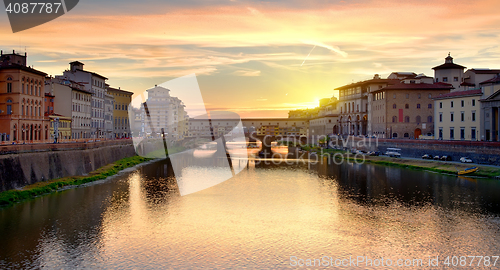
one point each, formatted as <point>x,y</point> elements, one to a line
<point>79,109</point>
<point>449,72</point>
<point>95,84</point>
<point>458,116</point>
<point>163,112</point>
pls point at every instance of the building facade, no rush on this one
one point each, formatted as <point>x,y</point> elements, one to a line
<point>121,122</point>
<point>164,112</point>
<point>22,117</point>
<point>406,109</point>
<point>458,116</point>
<point>95,84</point>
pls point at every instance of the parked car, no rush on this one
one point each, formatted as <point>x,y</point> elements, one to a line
<point>465,160</point>
<point>426,157</point>
<point>393,152</point>
<point>374,153</point>
<point>436,157</point>
<point>446,158</point>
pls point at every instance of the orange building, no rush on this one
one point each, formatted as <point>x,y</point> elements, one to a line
<point>21,101</point>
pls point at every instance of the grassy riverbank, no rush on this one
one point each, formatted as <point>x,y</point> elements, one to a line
<point>10,197</point>
<point>421,164</point>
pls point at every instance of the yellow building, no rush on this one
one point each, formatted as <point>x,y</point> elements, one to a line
<point>121,123</point>
<point>63,127</point>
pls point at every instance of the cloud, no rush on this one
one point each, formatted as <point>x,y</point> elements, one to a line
<point>248,73</point>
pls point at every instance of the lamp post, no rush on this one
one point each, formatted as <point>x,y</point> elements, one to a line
<point>56,129</point>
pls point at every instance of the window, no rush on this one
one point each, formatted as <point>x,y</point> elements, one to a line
<point>451,104</point>
<point>452,133</point>
<point>407,119</point>
<point>473,102</point>
<point>440,117</point>
<point>419,96</point>
<point>394,96</point>
<point>445,79</point>
<point>429,106</point>
<point>429,119</point>
<point>473,116</point>
<point>406,135</point>
<point>462,133</point>
<point>394,135</point>
<point>407,96</point>
<point>407,106</point>
<point>440,133</point>
<point>462,103</point>
<point>440,105</point>
<point>9,87</point>
<point>394,119</point>
<point>451,117</point>
<point>473,133</point>
<point>394,106</point>
<point>462,116</point>
<point>418,106</point>
<point>429,96</point>
<point>9,109</point>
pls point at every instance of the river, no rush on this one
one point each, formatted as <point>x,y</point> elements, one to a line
<point>267,216</point>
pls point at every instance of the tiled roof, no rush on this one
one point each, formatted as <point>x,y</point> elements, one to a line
<point>7,65</point>
<point>485,71</point>
<point>460,94</point>
<point>495,79</point>
<point>367,82</point>
<point>418,86</point>
<point>449,66</point>
<point>467,84</point>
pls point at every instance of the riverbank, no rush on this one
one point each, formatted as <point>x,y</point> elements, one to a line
<point>416,164</point>
<point>10,197</point>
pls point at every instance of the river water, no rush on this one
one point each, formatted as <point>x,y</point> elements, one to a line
<point>267,216</point>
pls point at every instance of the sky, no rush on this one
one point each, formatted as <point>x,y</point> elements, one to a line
<point>260,58</point>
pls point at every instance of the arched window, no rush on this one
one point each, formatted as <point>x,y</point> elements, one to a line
<point>429,106</point>
<point>394,106</point>
<point>394,135</point>
<point>406,135</point>
<point>429,119</point>
<point>407,106</point>
<point>407,119</point>
<point>394,119</point>
<point>418,106</point>
<point>418,119</point>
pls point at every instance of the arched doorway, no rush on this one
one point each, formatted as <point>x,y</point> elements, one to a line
<point>418,132</point>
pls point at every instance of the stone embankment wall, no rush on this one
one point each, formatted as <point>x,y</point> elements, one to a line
<point>479,152</point>
<point>18,170</point>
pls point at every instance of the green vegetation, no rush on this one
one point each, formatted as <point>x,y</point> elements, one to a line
<point>10,197</point>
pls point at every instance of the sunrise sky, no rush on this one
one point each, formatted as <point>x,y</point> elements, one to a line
<point>261,58</point>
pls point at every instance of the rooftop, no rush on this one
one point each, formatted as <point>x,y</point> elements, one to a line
<point>475,92</point>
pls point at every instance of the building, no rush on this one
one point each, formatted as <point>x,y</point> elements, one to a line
<point>61,91</point>
<point>95,84</point>
<point>122,100</point>
<point>354,103</point>
<point>22,98</point>
<point>406,109</point>
<point>164,112</point>
<point>324,125</point>
<point>108,116</point>
<point>490,108</point>
<point>449,72</point>
<point>60,128</point>
<point>457,115</point>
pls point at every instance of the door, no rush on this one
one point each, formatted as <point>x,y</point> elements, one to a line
<point>418,132</point>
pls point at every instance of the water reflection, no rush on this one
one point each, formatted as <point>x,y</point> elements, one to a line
<point>257,219</point>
